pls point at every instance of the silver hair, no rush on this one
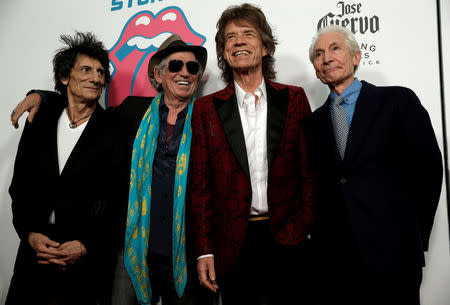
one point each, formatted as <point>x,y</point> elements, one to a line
<point>161,68</point>
<point>349,38</point>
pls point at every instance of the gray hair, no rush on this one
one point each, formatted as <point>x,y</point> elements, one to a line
<point>151,77</point>
<point>161,66</point>
<point>349,38</point>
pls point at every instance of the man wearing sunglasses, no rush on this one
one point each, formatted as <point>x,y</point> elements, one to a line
<point>156,133</point>
<point>252,191</point>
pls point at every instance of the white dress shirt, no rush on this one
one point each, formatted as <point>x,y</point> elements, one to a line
<point>254,125</point>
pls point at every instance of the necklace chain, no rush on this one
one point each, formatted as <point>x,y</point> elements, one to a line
<point>73,124</point>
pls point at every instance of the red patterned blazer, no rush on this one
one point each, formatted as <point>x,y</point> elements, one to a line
<point>221,189</point>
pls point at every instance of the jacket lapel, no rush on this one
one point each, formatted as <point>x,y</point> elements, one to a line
<point>228,112</point>
<point>366,109</point>
<point>277,105</point>
<point>55,113</point>
<point>324,130</point>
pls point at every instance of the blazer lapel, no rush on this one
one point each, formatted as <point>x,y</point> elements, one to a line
<point>53,133</point>
<point>228,112</point>
<point>366,109</point>
<point>277,105</point>
<point>52,126</point>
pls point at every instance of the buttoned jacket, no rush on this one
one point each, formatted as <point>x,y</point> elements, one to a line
<point>382,196</point>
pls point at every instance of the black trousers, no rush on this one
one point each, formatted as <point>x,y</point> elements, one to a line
<point>356,287</point>
<point>343,278</point>
<point>267,272</point>
<point>43,284</point>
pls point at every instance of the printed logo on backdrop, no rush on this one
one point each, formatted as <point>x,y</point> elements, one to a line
<point>364,25</point>
<point>141,36</point>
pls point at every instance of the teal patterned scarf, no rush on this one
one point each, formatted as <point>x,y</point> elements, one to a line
<point>139,203</point>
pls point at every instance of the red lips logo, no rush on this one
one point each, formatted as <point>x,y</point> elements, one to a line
<point>140,38</point>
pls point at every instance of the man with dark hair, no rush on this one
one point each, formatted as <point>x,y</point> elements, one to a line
<point>58,190</point>
<point>379,173</point>
<point>252,191</point>
<point>65,58</point>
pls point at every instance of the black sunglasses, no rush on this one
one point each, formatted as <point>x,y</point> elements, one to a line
<point>175,65</point>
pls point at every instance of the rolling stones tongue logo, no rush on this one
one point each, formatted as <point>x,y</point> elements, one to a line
<point>139,40</point>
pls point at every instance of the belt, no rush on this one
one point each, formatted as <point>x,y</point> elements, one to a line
<point>258,217</point>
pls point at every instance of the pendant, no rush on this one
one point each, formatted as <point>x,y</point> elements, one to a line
<point>72,125</point>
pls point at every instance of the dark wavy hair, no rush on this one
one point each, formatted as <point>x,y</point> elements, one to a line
<point>256,17</point>
<point>65,58</point>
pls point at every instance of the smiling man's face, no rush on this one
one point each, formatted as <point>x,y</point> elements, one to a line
<point>86,80</point>
<point>177,86</point>
<point>244,48</point>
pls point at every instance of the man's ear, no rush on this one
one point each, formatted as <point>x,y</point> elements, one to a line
<point>64,80</point>
<point>157,75</point>
<point>265,51</point>
<point>356,58</point>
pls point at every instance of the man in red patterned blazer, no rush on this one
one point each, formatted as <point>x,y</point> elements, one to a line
<point>252,191</point>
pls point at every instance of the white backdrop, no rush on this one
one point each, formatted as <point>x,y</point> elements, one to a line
<point>403,50</point>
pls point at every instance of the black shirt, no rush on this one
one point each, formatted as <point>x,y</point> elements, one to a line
<point>163,180</point>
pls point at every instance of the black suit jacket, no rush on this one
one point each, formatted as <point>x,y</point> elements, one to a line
<point>78,196</point>
<point>381,199</point>
<point>119,125</point>
<point>126,117</point>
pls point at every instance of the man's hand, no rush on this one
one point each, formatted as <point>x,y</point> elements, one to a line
<point>45,247</point>
<point>70,252</point>
<point>30,103</point>
<point>51,252</point>
<point>206,273</point>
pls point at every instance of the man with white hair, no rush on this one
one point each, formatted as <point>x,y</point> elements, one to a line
<point>379,174</point>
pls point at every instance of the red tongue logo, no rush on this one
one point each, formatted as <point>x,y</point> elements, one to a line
<point>140,38</point>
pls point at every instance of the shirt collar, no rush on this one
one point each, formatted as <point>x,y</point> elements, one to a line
<point>351,93</point>
<point>240,93</point>
<point>164,109</point>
